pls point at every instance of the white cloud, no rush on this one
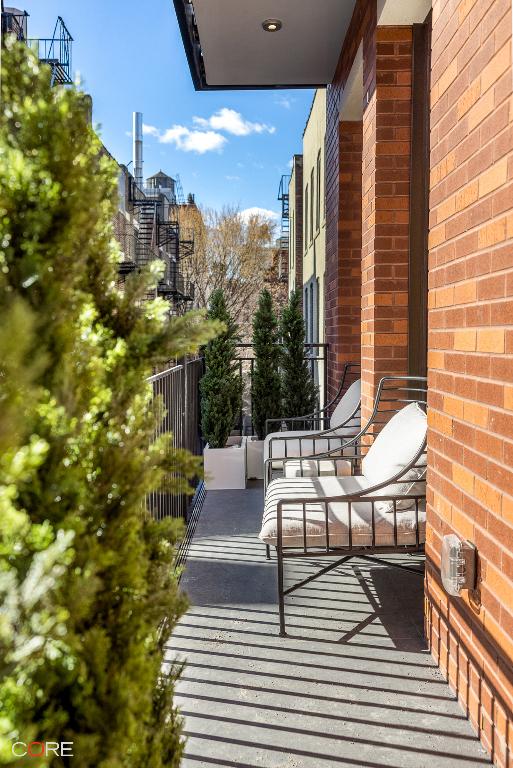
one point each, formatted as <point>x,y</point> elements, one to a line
<point>193,141</point>
<point>206,137</point>
<point>150,130</point>
<point>232,178</point>
<point>232,122</point>
<point>285,101</point>
<point>265,213</point>
<point>290,164</point>
<point>186,140</point>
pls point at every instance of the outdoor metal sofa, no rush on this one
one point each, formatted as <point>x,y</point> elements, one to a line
<point>320,418</point>
<point>379,509</point>
<point>344,423</point>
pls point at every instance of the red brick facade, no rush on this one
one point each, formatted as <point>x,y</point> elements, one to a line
<point>344,273</point>
<point>470,344</point>
<point>297,231</point>
<point>470,481</point>
<point>385,220</point>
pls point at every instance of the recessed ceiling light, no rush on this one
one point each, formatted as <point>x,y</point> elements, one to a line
<point>272,25</point>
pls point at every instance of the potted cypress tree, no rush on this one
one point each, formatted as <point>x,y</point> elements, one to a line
<point>299,390</point>
<point>265,383</point>
<point>224,456</point>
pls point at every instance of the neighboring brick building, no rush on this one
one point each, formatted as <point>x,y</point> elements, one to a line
<point>296,224</point>
<point>419,141</point>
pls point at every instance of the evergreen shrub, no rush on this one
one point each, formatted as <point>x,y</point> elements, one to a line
<point>266,388</point>
<point>220,386</point>
<point>299,390</point>
<point>88,594</point>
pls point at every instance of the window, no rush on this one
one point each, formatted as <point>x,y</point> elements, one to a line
<point>306,218</point>
<point>311,313</point>
<point>318,198</point>
<point>305,304</point>
<point>311,204</point>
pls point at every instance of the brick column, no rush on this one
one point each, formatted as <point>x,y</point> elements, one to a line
<point>385,210</point>
<point>343,263</point>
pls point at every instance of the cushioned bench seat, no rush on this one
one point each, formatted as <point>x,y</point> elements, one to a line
<point>338,515</point>
<point>316,468</point>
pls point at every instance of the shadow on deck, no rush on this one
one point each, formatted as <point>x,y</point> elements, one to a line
<point>352,684</point>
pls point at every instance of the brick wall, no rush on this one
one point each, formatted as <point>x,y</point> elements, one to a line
<point>470,440</point>
<point>343,207</point>
<point>298,221</point>
<point>343,275</point>
<point>385,218</point>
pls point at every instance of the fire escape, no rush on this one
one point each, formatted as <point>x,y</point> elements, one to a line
<point>283,249</point>
<point>53,51</point>
<point>159,237</point>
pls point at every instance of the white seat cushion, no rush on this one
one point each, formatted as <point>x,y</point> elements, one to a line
<point>338,516</point>
<point>394,448</point>
<point>347,406</point>
<point>316,468</point>
<point>277,448</point>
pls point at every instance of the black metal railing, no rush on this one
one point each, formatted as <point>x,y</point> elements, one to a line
<point>15,23</point>
<point>315,354</point>
<point>124,232</point>
<point>178,391</point>
<point>56,52</point>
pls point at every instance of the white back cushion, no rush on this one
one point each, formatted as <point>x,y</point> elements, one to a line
<point>393,449</point>
<point>347,405</point>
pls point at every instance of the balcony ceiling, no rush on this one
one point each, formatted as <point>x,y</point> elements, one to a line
<point>227,47</point>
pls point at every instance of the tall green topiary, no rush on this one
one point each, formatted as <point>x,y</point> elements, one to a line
<point>220,387</point>
<point>265,385</point>
<point>87,591</point>
<point>299,390</point>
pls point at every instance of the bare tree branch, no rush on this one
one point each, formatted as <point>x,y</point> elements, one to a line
<point>230,253</point>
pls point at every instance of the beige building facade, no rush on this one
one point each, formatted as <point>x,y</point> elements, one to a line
<point>314,227</point>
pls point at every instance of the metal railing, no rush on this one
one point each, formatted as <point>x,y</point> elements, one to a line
<point>56,52</point>
<point>178,391</point>
<point>15,23</point>
<point>315,354</point>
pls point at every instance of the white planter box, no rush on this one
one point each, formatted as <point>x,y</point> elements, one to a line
<point>225,468</point>
<point>255,458</point>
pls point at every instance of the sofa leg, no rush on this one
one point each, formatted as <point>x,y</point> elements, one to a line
<point>281,597</point>
<point>267,552</point>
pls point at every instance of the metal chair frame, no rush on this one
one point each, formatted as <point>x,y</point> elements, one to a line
<point>370,495</point>
<point>316,418</point>
<point>330,435</point>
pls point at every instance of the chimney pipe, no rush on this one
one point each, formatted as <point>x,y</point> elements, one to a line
<point>137,134</point>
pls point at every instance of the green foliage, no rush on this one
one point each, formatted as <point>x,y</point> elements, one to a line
<point>87,591</point>
<point>220,387</point>
<point>266,384</point>
<point>299,390</point>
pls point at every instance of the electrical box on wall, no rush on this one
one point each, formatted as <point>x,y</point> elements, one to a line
<point>458,564</point>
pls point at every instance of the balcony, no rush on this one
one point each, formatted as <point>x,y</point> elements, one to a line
<point>351,685</point>
<point>55,51</point>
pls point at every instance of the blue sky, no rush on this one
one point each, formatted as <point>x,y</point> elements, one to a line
<point>130,57</point>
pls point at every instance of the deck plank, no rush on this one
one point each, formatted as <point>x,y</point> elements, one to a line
<point>352,684</point>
